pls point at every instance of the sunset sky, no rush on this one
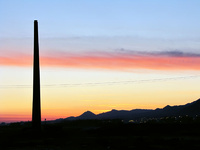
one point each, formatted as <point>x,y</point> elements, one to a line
<point>98,55</point>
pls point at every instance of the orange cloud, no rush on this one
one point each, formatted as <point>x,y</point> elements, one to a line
<point>119,61</point>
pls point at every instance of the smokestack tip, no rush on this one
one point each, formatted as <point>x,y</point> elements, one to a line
<point>35,21</point>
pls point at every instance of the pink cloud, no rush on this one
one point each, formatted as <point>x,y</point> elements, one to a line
<point>111,61</point>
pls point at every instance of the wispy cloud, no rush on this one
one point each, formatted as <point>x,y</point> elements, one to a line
<point>171,53</point>
<point>118,60</point>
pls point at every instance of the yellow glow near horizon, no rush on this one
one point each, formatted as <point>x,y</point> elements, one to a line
<point>59,100</point>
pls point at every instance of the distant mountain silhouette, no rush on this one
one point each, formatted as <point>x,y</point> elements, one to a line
<point>123,114</point>
<point>190,109</point>
<point>86,115</point>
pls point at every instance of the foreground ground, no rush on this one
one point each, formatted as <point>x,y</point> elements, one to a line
<point>101,135</point>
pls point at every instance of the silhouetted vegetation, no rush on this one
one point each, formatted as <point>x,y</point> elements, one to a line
<point>167,133</point>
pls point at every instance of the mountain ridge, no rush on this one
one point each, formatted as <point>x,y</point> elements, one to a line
<point>190,109</point>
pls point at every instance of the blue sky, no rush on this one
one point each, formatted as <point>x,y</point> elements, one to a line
<point>63,18</point>
<point>67,25</point>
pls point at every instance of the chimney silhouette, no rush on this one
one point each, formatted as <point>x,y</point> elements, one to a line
<point>36,112</point>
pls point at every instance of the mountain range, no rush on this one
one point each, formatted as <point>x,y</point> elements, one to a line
<point>190,109</point>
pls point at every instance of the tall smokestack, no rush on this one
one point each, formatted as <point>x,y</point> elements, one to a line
<point>36,112</point>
